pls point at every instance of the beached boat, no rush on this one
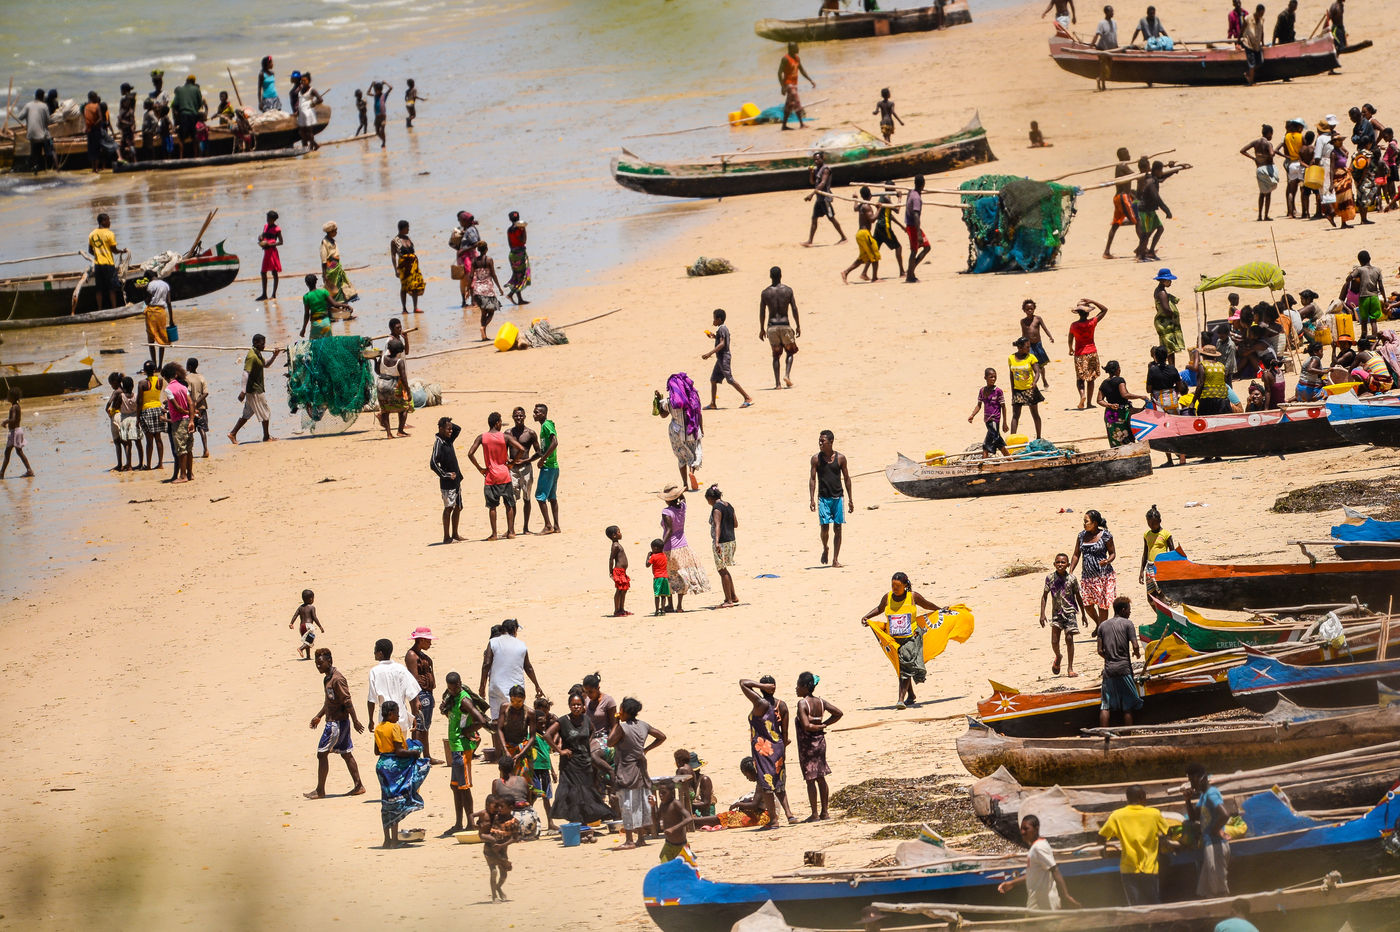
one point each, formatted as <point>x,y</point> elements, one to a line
<point>39,300</point>
<point>1241,586</point>
<point>753,173</point>
<point>72,373</point>
<point>1065,712</point>
<point>1155,752</point>
<point>232,158</point>
<point>91,317</point>
<point>1281,849</point>
<point>1260,629</point>
<point>1072,815</point>
<point>841,25</point>
<point>1372,419</point>
<point>1214,64</point>
<point>277,131</point>
<point>968,476</point>
<point>1326,684</point>
<point>1326,905</point>
<point>1253,433</point>
<point>1361,537</point>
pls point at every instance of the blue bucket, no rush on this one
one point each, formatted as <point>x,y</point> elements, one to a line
<point>571,833</point>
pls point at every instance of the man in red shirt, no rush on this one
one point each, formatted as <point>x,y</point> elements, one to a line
<point>498,449</point>
<point>788,71</point>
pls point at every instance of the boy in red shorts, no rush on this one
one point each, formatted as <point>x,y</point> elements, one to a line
<point>617,569</point>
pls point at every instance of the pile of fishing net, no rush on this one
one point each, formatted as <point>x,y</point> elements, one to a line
<point>329,381</point>
<point>160,266</point>
<point>846,145</point>
<point>704,266</point>
<point>541,333</point>
<point>1015,224</point>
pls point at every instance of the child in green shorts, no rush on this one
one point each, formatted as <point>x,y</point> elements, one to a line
<point>661,582</point>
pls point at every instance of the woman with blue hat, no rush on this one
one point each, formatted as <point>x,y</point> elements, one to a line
<point>1167,319</point>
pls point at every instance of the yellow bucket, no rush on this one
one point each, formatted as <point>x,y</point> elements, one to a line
<point>1017,440</point>
<point>934,458</point>
<point>736,117</point>
<point>750,112</point>
<point>1341,388</point>
<point>506,336</point>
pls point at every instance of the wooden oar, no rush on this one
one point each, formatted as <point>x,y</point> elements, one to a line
<point>696,129</point>
<point>1099,168</point>
<point>77,290</point>
<point>53,255</point>
<point>207,220</point>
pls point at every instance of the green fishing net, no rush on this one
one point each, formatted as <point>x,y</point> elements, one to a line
<point>329,378</point>
<point>1017,224</point>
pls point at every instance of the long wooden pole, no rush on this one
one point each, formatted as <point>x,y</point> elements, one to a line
<point>1385,630</point>
<point>1099,168</point>
<point>54,255</point>
<point>696,129</point>
<point>235,86</point>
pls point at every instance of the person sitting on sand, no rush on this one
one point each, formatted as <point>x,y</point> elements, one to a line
<point>1038,138</point>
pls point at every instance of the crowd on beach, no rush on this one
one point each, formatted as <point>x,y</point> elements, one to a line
<point>178,124</point>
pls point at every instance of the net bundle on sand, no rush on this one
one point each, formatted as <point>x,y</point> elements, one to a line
<point>1015,224</point>
<point>329,378</point>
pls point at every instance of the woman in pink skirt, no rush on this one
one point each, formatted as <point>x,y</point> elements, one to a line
<point>269,239</point>
<point>1097,581</point>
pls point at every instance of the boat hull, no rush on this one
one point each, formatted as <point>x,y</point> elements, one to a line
<point>1255,433</point>
<point>41,384</point>
<point>679,900</point>
<point>1064,714</point>
<point>1159,755</point>
<point>1371,420</point>
<point>1242,586</point>
<point>999,476</point>
<point>731,178</point>
<point>865,25</point>
<point>40,297</point>
<point>1189,67</point>
<point>1261,676</point>
<point>71,151</point>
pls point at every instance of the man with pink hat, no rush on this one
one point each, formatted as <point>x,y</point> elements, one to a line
<point>420,665</point>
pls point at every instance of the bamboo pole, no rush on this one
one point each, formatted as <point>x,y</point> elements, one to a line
<point>1099,168</point>
<point>385,336</point>
<point>232,349</point>
<point>696,129</point>
<point>1384,646</point>
<point>235,85</point>
<point>856,200</point>
<point>349,268</point>
<point>53,255</point>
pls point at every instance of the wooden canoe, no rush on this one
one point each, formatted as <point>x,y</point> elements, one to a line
<point>1252,433</point>
<point>1072,815</point>
<point>1224,64</point>
<point>1067,711</point>
<point>1158,752</point>
<point>996,475</point>
<point>1239,586</point>
<point>840,25</point>
<point>231,158</point>
<point>1262,675</point>
<point>742,174</point>
<point>1373,419</point>
<point>72,373</point>
<point>41,300</point>
<point>91,317</point>
<point>275,133</point>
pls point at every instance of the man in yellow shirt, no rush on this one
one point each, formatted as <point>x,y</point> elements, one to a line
<point>1139,829</point>
<point>102,244</point>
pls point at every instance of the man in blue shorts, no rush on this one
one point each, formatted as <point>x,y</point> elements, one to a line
<point>339,712</point>
<point>829,470</point>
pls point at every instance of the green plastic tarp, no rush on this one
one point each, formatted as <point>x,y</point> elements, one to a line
<point>1249,275</point>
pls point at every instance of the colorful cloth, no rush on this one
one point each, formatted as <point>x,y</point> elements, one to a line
<point>271,260</point>
<point>811,754</point>
<point>399,781</point>
<point>767,745</point>
<point>519,270</point>
<point>670,852</point>
<point>683,572</point>
<point>1117,421</point>
<point>1168,324</point>
<point>868,249</point>
<point>333,273</point>
<point>410,276</point>
<point>156,322</point>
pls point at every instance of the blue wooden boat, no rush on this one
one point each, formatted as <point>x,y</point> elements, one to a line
<point>1364,538</point>
<point>1372,419</point>
<point>1332,684</point>
<point>1282,848</point>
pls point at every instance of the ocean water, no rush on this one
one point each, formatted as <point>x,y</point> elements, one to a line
<point>527,100</point>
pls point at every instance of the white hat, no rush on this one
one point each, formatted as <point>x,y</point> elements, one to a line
<point>1330,119</point>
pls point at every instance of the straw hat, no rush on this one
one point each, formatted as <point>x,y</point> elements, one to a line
<point>422,633</point>
<point>671,493</point>
<point>1210,351</point>
<point>328,226</point>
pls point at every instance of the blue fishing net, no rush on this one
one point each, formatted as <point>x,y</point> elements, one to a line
<point>1015,224</point>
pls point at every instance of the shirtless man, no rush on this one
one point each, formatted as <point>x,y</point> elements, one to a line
<point>420,665</point>
<point>1032,327</point>
<point>1064,12</point>
<point>820,176</point>
<point>774,305</point>
<point>865,240</point>
<point>1261,151</point>
<point>1124,210</point>
<point>522,468</point>
<point>1150,198</point>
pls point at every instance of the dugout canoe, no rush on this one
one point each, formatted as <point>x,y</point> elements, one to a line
<point>840,25</point>
<point>232,158</point>
<point>728,176</point>
<point>1283,848</point>
<point>1214,64</point>
<point>1065,712</point>
<point>44,300</point>
<point>278,132</point>
<point>1156,752</point>
<point>972,476</point>
<point>1374,419</point>
<point>72,373</point>
<point>1264,676</point>
<point>1072,815</point>
<point>1295,429</point>
<point>1239,586</point>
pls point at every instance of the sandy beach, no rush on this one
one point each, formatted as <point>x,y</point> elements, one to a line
<point>157,700</point>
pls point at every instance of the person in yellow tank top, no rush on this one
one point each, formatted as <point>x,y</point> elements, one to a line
<point>1155,543</point>
<point>1212,393</point>
<point>152,416</point>
<point>899,606</point>
<point>1025,371</point>
<point>1293,166</point>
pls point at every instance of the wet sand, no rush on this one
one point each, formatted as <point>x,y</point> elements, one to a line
<point>164,686</point>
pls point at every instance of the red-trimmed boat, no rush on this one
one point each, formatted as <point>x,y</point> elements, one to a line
<point>1241,586</point>
<point>1294,429</point>
<point>1216,63</point>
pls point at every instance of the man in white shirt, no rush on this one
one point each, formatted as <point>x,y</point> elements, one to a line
<point>1045,885</point>
<point>506,663</point>
<point>390,681</point>
<point>35,117</point>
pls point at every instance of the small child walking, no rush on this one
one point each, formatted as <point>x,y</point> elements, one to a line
<point>14,438</point>
<point>885,107</point>
<point>992,403</point>
<point>498,830</point>
<point>723,371</point>
<point>306,615</point>
<point>410,101</point>
<point>1067,610</point>
<point>361,107</point>
<point>660,578</point>
<point>1155,543</point>
<point>617,570</point>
